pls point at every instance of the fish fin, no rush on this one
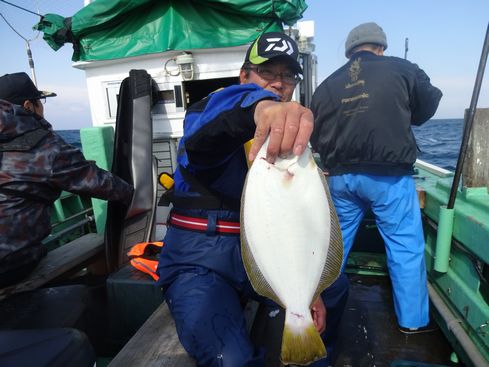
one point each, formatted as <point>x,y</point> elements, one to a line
<point>256,277</point>
<point>258,281</point>
<point>334,259</point>
<point>301,344</point>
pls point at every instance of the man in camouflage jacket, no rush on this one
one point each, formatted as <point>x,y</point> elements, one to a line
<point>36,165</point>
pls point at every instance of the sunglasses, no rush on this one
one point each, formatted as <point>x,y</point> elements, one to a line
<point>267,74</point>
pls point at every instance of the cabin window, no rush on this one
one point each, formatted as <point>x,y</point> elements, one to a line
<point>195,90</point>
<point>166,96</point>
<point>167,101</point>
<point>178,94</point>
<point>111,95</point>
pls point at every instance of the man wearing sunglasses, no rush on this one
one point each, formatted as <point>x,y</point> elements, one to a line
<point>200,268</point>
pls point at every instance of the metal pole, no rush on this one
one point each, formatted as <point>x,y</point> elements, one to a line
<point>66,230</point>
<point>307,80</point>
<point>469,121</point>
<point>83,212</point>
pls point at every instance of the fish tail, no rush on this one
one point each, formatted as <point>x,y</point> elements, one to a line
<point>301,342</point>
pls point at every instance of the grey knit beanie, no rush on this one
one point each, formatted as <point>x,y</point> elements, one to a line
<point>365,33</point>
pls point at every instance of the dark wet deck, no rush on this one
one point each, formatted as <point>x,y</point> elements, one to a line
<point>369,335</point>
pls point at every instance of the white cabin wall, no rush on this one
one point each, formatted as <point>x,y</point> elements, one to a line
<point>167,127</point>
<point>208,64</point>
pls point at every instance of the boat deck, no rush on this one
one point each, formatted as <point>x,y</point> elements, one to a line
<point>369,335</point>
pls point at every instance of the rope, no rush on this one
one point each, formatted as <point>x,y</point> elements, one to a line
<point>21,8</point>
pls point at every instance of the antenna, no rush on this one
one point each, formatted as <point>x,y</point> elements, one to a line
<point>27,41</point>
<point>406,47</point>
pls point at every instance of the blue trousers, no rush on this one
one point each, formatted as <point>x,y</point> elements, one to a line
<point>211,326</point>
<point>394,203</point>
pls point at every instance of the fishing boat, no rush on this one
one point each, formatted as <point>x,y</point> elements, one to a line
<point>145,63</point>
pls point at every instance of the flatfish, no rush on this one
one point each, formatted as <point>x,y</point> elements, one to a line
<point>291,244</point>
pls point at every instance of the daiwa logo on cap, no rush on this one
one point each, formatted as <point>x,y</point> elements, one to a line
<point>271,45</point>
<point>284,46</point>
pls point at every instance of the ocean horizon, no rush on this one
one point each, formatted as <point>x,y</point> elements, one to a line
<point>438,141</point>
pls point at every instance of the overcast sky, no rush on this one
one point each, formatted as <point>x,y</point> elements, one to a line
<point>445,40</point>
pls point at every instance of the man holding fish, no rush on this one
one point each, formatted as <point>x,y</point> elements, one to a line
<point>201,266</point>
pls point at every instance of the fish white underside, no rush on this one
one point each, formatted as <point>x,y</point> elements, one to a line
<point>286,218</point>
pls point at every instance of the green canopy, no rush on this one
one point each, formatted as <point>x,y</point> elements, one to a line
<point>110,29</point>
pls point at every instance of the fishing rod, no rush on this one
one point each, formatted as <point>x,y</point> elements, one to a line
<point>446,214</point>
<point>469,121</point>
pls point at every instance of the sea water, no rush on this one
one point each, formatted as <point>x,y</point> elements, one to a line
<point>438,141</point>
<point>71,137</point>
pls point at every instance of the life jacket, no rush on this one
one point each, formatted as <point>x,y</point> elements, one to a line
<point>207,200</point>
<point>247,148</point>
<point>144,257</point>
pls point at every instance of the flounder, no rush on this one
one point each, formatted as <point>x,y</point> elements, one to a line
<point>291,244</point>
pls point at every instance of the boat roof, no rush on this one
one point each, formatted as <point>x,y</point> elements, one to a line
<point>112,29</point>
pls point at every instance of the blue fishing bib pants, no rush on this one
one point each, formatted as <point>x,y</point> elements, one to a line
<point>394,203</point>
<point>206,287</point>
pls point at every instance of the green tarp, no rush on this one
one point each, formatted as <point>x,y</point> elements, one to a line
<point>110,29</point>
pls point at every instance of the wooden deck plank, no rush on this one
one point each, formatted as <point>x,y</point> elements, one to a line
<point>154,344</point>
<point>58,262</point>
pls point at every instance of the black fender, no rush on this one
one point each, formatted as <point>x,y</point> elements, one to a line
<point>133,161</point>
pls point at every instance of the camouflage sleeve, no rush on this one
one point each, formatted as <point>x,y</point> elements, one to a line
<point>72,172</point>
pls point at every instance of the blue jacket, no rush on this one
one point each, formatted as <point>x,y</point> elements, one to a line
<point>363,114</point>
<point>211,150</point>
